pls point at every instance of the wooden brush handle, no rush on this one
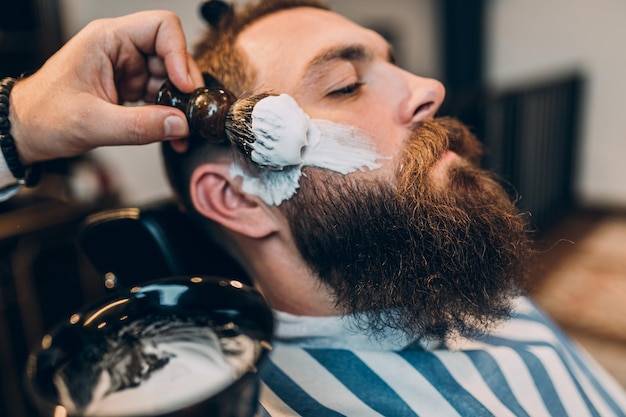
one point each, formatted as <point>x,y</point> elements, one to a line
<point>205,108</point>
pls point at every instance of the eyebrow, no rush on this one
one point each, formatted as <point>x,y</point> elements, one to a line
<point>353,53</point>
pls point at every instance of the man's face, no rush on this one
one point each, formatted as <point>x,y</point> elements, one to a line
<point>429,244</point>
<point>339,71</point>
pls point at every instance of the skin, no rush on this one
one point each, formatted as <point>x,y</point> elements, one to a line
<point>72,104</point>
<point>362,87</point>
<point>368,91</point>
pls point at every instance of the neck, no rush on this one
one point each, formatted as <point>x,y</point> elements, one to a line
<point>281,275</point>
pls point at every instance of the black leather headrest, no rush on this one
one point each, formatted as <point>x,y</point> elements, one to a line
<point>141,244</point>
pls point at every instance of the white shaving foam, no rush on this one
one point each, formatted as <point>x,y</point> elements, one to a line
<point>288,140</point>
<point>196,368</point>
<point>278,144</point>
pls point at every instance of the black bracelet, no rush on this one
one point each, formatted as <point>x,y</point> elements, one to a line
<point>28,176</point>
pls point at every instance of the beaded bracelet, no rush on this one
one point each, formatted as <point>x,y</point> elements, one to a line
<point>27,176</point>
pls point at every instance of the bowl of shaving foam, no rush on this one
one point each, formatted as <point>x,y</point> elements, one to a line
<point>184,346</point>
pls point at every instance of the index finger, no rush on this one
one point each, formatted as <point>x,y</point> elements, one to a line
<point>160,32</point>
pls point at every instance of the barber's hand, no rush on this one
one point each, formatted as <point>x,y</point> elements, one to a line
<point>72,104</point>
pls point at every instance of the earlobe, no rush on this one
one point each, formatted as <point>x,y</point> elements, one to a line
<point>217,197</point>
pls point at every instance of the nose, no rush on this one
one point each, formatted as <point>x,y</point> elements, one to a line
<point>424,98</point>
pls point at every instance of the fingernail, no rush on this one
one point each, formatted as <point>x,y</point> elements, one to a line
<point>175,127</point>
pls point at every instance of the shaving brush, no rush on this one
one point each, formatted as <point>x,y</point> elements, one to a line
<point>205,108</point>
<point>270,135</point>
<point>238,123</point>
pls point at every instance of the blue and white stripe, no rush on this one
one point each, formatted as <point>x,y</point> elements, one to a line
<point>527,367</point>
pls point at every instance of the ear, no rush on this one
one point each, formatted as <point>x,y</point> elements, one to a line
<point>218,197</point>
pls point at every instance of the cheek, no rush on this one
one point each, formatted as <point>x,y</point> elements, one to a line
<point>388,137</point>
<point>374,119</point>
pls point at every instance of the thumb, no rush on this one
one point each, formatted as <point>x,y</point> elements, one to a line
<point>138,125</point>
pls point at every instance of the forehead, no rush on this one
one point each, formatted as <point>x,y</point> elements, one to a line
<point>281,46</point>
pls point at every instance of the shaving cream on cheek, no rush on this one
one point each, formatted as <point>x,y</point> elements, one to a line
<point>288,140</point>
<point>280,129</point>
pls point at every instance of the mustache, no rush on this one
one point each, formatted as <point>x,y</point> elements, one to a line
<point>436,136</point>
<point>428,141</point>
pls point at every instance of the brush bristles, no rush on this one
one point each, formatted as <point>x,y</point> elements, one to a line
<point>238,124</point>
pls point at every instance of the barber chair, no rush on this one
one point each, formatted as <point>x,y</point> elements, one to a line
<point>163,276</point>
<point>131,245</point>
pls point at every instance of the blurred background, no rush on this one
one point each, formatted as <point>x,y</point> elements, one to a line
<point>540,82</point>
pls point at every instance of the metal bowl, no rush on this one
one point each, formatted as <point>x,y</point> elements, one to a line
<point>185,346</point>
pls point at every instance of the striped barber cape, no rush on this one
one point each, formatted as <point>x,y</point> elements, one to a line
<point>526,367</point>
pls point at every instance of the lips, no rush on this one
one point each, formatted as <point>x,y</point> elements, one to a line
<point>441,168</point>
<point>448,157</point>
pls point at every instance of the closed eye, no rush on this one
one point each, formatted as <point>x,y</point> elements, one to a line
<point>347,90</point>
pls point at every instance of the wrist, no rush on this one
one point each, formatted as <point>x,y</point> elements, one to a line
<point>25,175</point>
